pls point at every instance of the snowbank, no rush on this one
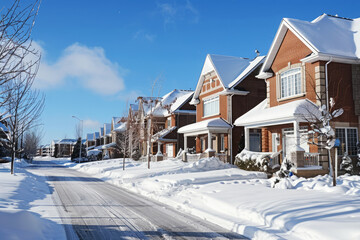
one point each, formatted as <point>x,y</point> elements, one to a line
<point>243,201</point>
<point>26,207</point>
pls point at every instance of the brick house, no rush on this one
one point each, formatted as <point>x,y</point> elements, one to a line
<point>226,89</point>
<point>303,58</point>
<point>176,111</point>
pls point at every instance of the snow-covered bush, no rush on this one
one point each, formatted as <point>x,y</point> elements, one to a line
<point>346,164</point>
<point>285,169</point>
<point>253,161</point>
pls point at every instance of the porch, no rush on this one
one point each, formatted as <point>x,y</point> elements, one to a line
<point>212,139</point>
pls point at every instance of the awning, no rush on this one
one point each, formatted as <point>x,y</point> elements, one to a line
<point>300,110</point>
<point>215,125</point>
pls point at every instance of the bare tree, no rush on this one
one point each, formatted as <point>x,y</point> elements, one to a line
<point>31,142</point>
<point>18,66</point>
<point>25,107</point>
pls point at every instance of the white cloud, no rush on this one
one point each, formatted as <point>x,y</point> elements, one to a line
<point>88,123</point>
<point>141,34</point>
<point>175,10</point>
<point>89,66</point>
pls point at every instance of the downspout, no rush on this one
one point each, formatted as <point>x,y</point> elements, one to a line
<point>231,131</point>
<point>327,84</point>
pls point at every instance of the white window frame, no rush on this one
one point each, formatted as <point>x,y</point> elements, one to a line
<point>346,138</point>
<point>212,101</point>
<point>169,122</point>
<point>290,86</point>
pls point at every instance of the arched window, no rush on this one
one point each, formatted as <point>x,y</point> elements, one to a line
<point>290,83</point>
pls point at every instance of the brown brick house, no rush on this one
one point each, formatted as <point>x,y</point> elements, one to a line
<point>226,89</point>
<point>176,111</point>
<point>304,58</point>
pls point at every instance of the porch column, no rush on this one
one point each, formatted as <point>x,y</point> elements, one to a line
<point>209,141</point>
<point>210,152</point>
<point>297,153</point>
<point>247,138</point>
<point>184,153</point>
<point>159,156</point>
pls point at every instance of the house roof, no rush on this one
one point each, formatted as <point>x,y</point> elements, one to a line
<point>121,127</point>
<point>90,137</point>
<point>116,121</point>
<point>66,141</point>
<point>101,132</point>
<point>326,36</point>
<point>261,115</point>
<point>3,128</point>
<point>96,135</point>
<point>171,102</point>
<point>230,70</point>
<point>107,128</point>
<point>212,125</point>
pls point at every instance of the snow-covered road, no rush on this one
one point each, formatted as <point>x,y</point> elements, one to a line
<point>93,209</point>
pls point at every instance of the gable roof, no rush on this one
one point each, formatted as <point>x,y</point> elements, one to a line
<point>327,36</point>
<point>96,135</point>
<point>90,137</point>
<point>230,70</point>
<point>101,132</point>
<point>171,102</point>
<point>107,128</point>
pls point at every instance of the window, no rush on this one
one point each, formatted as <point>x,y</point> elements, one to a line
<point>255,142</point>
<point>222,143</point>
<point>290,83</point>
<point>348,138</point>
<point>211,106</point>
<point>168,122</point>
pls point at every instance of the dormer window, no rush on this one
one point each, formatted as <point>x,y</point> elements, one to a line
<point>290,83</point>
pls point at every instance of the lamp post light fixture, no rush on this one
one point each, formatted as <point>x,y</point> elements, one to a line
<point>81,132</point>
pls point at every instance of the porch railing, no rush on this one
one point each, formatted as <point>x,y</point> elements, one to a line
<point>311,159</point>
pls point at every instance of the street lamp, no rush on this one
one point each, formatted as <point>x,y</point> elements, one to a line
<point>81,132</point>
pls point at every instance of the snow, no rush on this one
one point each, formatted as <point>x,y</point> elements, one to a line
<point>26,207</point>
<point>121,127</point>
<point>90,137</point>
<point>161,134</point>
<point>295,110</point>
<point>107,128</point>
<point>215,123</point>
<point>331,35</point>
<point>241,201</point>
<point>172,100</point>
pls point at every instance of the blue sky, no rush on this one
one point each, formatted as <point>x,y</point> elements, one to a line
<point>98,55</point>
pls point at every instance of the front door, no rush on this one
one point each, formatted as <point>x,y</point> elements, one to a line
<point>170,150</point>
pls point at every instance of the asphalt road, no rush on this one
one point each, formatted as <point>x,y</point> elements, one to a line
<point>93,209</point>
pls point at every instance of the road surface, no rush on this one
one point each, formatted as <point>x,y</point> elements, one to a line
<point>93,209</point>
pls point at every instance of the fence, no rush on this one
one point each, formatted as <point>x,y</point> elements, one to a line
<point>311,159</point>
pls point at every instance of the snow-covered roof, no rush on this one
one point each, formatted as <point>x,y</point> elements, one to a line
<point>90,137</point>
<point>67,141</point>
<point>116,122</point>
<point>101,132</point>
<point>121,127</point>
<point>206,125</point>
<point>134,107</point>
<point>109,145</point>
<point>171,102</point>
<point>230,70</point>
<point>161,134</point>
<point>107,128</point>
<point>96,135</point>
<point>261,115</point>
<point>326,36</point>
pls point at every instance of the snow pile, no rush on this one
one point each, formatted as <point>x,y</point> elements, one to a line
<point>243,201</point>
<point>26,207</point>
<point>206,164</point>
<point>346,184</point>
